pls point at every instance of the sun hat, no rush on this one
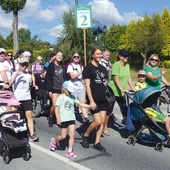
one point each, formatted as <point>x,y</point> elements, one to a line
<point>142,72</point>
<point>123,53</point>
<point>68,85</point>
<point>13,102</point>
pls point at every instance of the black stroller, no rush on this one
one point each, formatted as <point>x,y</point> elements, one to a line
<point>141,125</point>
<point>13,132</point>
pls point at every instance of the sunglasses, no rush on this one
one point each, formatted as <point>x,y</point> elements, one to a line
<point>2,52</point>
<point>76,57</point>
<point>152,59</point>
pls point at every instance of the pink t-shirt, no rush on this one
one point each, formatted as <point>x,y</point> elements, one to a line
<point>37,68</point>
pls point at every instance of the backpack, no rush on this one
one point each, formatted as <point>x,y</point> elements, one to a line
<point>68,77</point>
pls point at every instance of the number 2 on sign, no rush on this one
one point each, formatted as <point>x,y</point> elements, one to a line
<point>84,20</point>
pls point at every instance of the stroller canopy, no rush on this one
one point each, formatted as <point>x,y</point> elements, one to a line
<point>147,96</point>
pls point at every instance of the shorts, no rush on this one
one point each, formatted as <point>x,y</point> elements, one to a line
<point>26,105</point>
<point>56,91</point>
<point>160,118</point>
<point>79,93</point>
<point>101,106</point>
<point>67,123</point>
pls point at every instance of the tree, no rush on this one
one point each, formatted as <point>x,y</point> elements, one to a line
<point>113,39</point>
<point>13,6</point>
<point>2,41</point>
<point>71,39</point>
<point>165,21</point>
<point>143,37</point>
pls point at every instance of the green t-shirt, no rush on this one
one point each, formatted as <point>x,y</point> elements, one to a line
<point>123,74</point>
<point>66,107</point>
<point>155,83</point>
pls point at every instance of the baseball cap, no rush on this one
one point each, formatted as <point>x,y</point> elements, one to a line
<point>123,53</point>
<point>68,85</point>
<point>13,102</point>
<point>2,50</point>
<point>142,72</point>
<point>26,54</point>
<point>24,60</point>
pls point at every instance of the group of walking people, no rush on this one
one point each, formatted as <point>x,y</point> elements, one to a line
<point>85,87</point>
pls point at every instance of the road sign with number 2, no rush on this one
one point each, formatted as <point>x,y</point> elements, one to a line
<point>83,16</point>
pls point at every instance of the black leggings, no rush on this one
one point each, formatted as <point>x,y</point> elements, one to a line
<point>121,101</point>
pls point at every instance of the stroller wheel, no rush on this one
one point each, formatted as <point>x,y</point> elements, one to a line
<point>26,156</point>
<point>168,143</point>
<point>159,147</point>
<point>6,157</point>
<point>27,153</point>
<point>131,140</point>
<point>36,109</point>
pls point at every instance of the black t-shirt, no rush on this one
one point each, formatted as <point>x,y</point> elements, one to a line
<point>96,84</point>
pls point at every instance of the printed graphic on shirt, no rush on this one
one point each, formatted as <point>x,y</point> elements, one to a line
<point>68,105</point>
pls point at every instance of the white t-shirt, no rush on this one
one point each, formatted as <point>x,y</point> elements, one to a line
<point>8,68</point>
<point>1,69</point>
<point>21,86</point>
<point>75,68</point>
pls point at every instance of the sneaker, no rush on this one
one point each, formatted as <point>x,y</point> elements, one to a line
<point>85,141</point>
<point>71,154</point>
<point>34,138</point>
<point>99,147</point>
<point>50,122</point>
<point>53,144</point>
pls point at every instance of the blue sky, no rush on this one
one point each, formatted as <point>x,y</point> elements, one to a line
<point>44,17</point>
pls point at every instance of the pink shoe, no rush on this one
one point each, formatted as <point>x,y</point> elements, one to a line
<point>71,154</point>
<point>53,144</point>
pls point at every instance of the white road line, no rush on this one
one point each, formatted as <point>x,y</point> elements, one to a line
<point>59,157</point>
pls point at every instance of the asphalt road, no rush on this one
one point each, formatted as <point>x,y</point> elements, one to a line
<point>119,155</point>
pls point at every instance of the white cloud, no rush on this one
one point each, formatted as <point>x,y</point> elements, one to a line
<point>35,10</point>
<point>39,15</point>
<point>105,12</point>
<point>55,31</point>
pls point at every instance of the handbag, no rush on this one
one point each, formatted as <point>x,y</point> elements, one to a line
<point>110,96</point>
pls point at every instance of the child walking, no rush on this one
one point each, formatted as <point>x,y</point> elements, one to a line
<point>64,111</point>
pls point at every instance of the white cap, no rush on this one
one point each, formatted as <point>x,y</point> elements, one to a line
<point>24,60</point>
<point>26,54</point>
<point>2,50</point>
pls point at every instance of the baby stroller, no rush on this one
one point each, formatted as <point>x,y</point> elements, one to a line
<point>164,97</point>
<point>37,103</point>
<point>142,126</point>
<point>13,130</point>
